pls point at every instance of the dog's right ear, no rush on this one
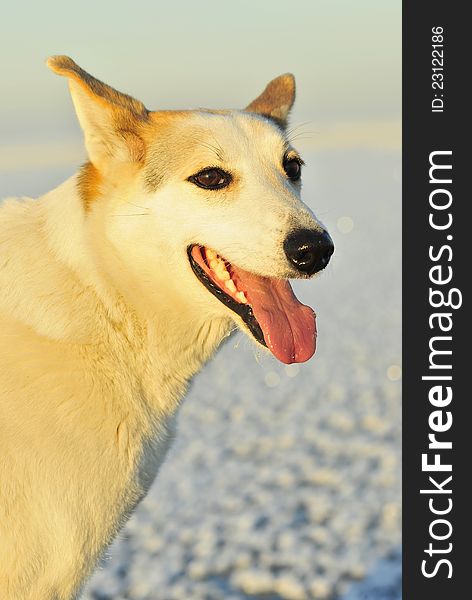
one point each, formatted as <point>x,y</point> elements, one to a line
<point>110,120</point>
<point>276,100</point>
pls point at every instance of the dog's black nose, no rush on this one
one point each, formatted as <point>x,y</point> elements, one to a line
<point>309,251</point>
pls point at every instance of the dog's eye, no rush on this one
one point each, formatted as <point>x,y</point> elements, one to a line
<point>293,168</point>
<point>211,179</point>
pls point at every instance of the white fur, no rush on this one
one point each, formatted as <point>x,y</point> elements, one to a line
<point>103,324</point>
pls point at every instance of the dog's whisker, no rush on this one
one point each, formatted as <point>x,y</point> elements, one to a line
<point>218,150</point>
<point>219,145</point>
<point>303,136</point>
<point>290,130</point>
<point>137,206</point>
<point>301,133</point>
<point>132,215</point>
<point>294,133</point>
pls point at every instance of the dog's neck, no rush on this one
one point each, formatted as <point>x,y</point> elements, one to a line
<point>171,340</point>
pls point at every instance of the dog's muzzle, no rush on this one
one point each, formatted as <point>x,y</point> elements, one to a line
<point>308,250</point>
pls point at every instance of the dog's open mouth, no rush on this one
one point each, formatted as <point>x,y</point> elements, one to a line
<point>268,306</point>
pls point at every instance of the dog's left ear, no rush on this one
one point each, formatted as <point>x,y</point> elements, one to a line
<point>276,100</point>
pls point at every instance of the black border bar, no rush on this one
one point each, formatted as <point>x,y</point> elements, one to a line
<point>437,259</point>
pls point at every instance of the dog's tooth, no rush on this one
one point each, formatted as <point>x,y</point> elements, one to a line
<point>230,285</point>
<point>214,263</point>
<point>241,296</point>
<point>210,254</point>
<point>223,275</point>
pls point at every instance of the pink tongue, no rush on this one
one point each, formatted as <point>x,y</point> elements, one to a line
<point>289,327</point>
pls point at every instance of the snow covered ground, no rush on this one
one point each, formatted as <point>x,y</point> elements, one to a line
<point>284,482</point>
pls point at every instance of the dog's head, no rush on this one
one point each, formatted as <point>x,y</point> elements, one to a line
<point>207,204</point>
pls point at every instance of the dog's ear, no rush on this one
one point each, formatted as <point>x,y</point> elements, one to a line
<point>276,100</point>
<point>110,120</point>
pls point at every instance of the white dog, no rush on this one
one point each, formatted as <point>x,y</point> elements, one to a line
<point>116,287</point>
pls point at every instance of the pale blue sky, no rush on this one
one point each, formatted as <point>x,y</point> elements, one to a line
<point>344,53</point>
